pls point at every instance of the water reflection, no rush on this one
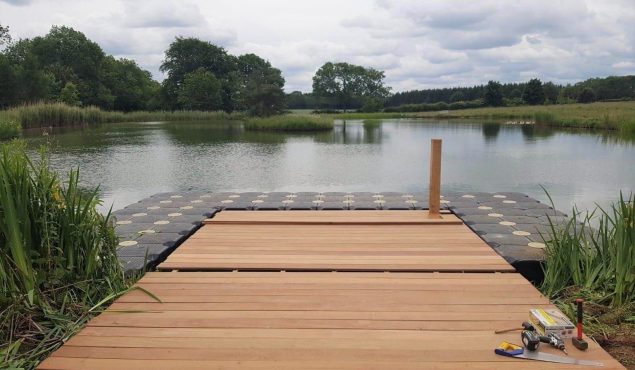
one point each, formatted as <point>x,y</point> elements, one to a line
<point>131,161</point>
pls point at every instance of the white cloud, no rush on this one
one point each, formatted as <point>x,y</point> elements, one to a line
<point>419,44</point>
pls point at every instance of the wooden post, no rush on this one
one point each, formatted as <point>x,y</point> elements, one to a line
<point>434,197</point>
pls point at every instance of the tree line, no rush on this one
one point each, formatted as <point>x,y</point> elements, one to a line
<point>65,66</point>
<point>532,92</point>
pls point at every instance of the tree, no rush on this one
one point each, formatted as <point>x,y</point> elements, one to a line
<point>348,82</point>
<point>493,95</point>
<point>5,37</point>
<point>131,86</point>
<point>457,96</point>
<point>69,56</point>
<point>586,96</point>
<point>551,92</point>
<point>533,94</point>
<point>69,95</point>
<point>186,55</point>
<point>200,90</point>
<point>258,87</point>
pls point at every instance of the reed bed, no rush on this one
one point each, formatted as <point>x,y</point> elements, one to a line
<point>58,260</point>
<point>600,259</point>
<point>592,257</point>
<point>291,122</point>
<point>60,115</point>
<point>9,128</point>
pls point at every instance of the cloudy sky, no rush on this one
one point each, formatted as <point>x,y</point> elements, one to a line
<point>418,43</point>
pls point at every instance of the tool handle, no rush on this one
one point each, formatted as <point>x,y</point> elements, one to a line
<point>579,314</point>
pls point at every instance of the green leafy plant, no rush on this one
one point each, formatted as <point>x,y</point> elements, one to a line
<point>598,259</point>
<point>58,261</point>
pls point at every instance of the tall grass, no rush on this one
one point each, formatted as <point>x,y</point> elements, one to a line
<point>9,128</point>
<point>290,122</point>
<point>59,115</point>
<point>618,116</point>
<point>57,257</point>
<point>600,260</point>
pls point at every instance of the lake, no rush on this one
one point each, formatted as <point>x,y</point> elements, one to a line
<point>134,160</point>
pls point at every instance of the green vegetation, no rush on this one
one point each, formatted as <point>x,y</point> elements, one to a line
<point>290,122</point>
<point>350,84</point>
<point>598,265</point>
<point>608,115</point>
<point>60,115</point>
<point>244,83</point>
<point>58,262</point>
<point>65,66</point>
<point>9,128</point>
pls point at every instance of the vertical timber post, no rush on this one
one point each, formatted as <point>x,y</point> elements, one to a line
<point>434,194</point>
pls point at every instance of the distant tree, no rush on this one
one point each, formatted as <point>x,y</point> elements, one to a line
<point>551,92</point>
<point>372,105</point>
<point>516,94</point>
<point>200,90</point>
<point>186,55</point>
<point>586,96</point>
<point>296,100</point>
<point>493,94</point>
<point>132,87</point>
<point>258,87</point>
<point>347,83</point>
<point>69,56</point>
<point>5,37</point>
<point>69,95</point>
<point>533,94</point>
<point>457,96</point>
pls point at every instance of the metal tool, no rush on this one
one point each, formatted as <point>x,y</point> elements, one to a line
<point>577,341</point>
<point>516,351</point>
<point>526,326</point>
<point>554,340</point>
<point>531,340</point>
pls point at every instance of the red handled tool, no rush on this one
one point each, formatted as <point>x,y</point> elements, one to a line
<point>577,341</point>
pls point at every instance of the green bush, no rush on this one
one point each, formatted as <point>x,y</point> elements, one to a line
<point>9,129</point>
<point>58,258</point>
<point>290,123</point>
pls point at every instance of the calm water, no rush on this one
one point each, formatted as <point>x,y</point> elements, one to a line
<point>133,161</point>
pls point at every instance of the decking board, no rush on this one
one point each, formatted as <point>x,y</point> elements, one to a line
<point>429,295</point>
<point>334,240</point>
<point>426,320</point>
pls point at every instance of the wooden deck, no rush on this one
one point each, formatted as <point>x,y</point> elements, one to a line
<point>383,319</point>
<point>335,240</point>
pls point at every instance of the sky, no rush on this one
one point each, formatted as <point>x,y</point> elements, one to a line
<point>418,43</point>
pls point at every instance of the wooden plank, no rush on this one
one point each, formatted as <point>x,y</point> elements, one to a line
<point>72,363</point>
<point>418,217</point>
<point>335,320</point>
<point>334,247</point>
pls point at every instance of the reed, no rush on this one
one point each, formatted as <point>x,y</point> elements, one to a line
<point>58,259</point>
<point>9,128</point>
<point>600,260</point>
<point>290,122</point>
<point>60,115</point>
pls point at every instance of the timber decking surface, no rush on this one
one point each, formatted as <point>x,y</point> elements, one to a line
<point>297,320</point>
<point>318,320</point>
<point>335,240</point>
